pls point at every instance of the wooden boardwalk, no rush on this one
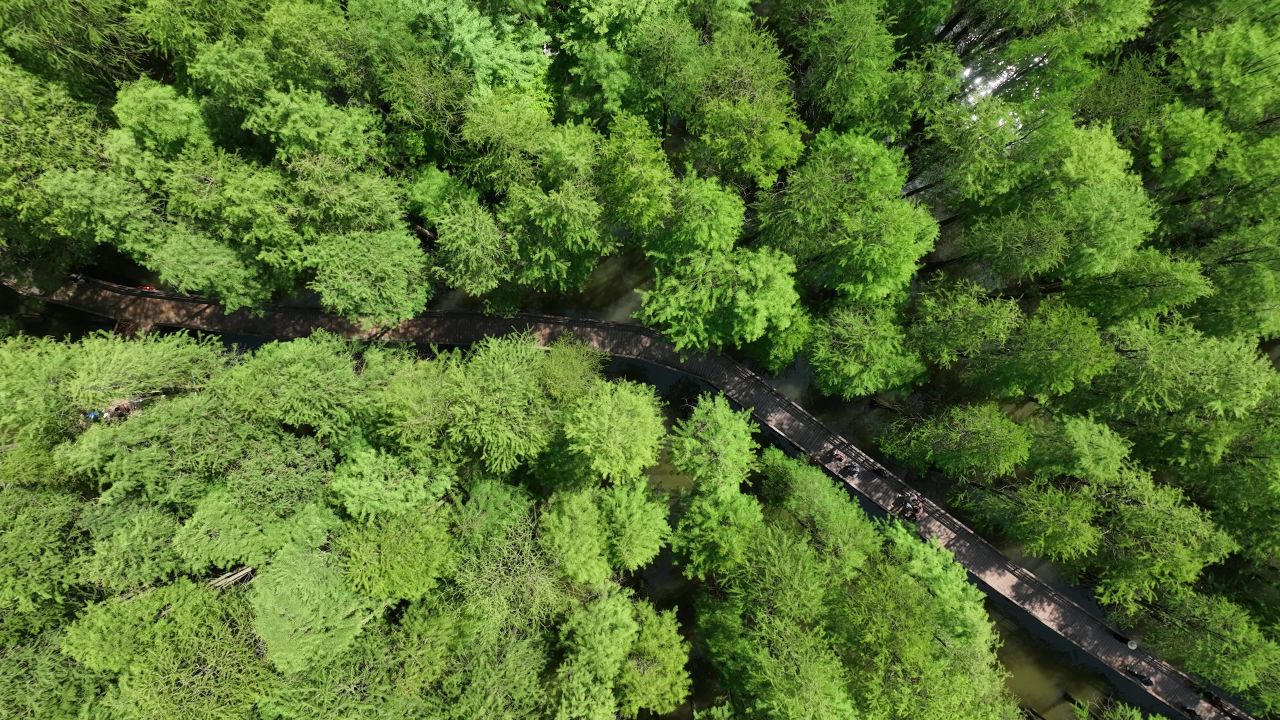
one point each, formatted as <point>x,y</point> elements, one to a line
<point>1142,677</point>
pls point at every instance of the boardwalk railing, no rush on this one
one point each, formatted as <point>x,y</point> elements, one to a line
<point>1149,679</point>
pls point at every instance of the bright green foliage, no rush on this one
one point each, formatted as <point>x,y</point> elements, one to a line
<point>954,321</point>
<point>132,546</point>
<point>278,385</point>
<point>38,681</point>
<point>365,573</point>
<point>722,299</point>
<point>1235,65</point>
<point>88,45</point>
<point>1091,193</point>
<point>636,523</point>
<point>653,676</point>
<point>969,146</point>
<point>714,534</point>
<point>46,385</point>
<point>573,531</point>
<point>977,441</point>
<point>472,252</point>
<point>300,123</point>
<point>278,477</point>
<point>1184,144</point>
<point>847,52</point>
<point>617,429</point>
<point>800,632</point>
<point>597,638</point>
<point>1019,244</point>
<point>635,179</point>
<point>776,350</point>
<point>37,573</point>
<point>381,294</point>
<point>1108,167</point>
<point>859,350</point>
<point>42,129</point>
<point>744,117</point>
<point>221,534</point>
<point>1244,267</point>
<point>1156,541</point>
<point>1217,638</point>
<point>707,222</point>
<point>402,557</point>
<point>843,219</point>
<point>371,484</point>
<point>1175,391</point>
<point>498,404</point>
<point>190,653</point>
<point>160,121</point>
<point>1051,353</point>
<point>303,611</point>
<point>714,444</point>
<point>837,528</point>
<point>1148,283</point>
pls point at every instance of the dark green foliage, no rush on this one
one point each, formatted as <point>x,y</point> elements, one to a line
<point>965,441</point>
<point>1068,208</point>
<point>843,219</point>
<point>860,349</point>
<point>813,625</point>
<point>954,321</point>
<point>1051,353</point>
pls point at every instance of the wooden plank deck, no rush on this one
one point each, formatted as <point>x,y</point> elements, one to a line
<point>1149,677</point>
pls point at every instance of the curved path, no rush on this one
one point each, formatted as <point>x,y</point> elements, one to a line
<point>1143,678</point>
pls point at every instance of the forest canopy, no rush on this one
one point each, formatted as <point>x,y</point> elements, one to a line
<point>1044,235</point>
<point>234,546</point>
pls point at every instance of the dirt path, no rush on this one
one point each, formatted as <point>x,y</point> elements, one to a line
<point>1141,675</point>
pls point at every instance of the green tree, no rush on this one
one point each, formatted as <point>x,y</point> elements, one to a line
<point>1233,65</point>
<point>653,676</point>
<point>1214,637</point>
<point>1184,143</point>
<point>848,53</point>
<point>1175,391</point>
<point>303,611</point>
<point>1055,350</point>
<point>1148,283</point>
<point>637,524</point>
<point>860,349</point>
<point>635,180</point>
<point>572,530</point>
<point>301,123</point>
<point>372,484</point>
<point>843,219</point>
<point>714,444</point>
<point>954,321</point>
<point>1244,268</point>
<point>617,429</point>
<point>967,441</point>
<point>722,299</point>
<point>597,637</point>
<point>706,220</point>
<point>38,573</point>
<point>402,557</point>
<point>191,652</point>
<point>744,118</point>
